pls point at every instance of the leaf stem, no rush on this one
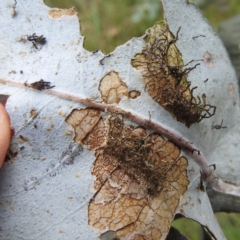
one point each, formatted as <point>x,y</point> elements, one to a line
<point>207,173</point>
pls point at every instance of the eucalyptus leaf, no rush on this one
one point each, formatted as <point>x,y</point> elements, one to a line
<point>48,184</point>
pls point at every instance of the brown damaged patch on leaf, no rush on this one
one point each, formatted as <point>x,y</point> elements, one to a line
<point>97,137</point>
<point>134,94</point>
<point>139,180</point>
<point>103,167</point>
<point>139,177</point>
<point>165,76</point>
<point>119,206</point>
<point>208,59</point>
<point>83,122</point>
<point>112,88</point>
<point>231,90</point>
<point>59,13</point>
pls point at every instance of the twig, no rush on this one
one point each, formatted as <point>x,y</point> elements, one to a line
<point>207,172</point>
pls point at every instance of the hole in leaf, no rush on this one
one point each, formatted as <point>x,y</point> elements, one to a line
<point>174,234</point>
<point>109,235</point>
<point>191,229</point>
<point>188,227</point>
<point>108,24</point>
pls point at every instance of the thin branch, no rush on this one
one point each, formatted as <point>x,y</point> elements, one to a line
<point>207,172</point>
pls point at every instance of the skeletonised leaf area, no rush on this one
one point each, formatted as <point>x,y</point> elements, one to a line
<point>165,76</point>
<point>139,177</point>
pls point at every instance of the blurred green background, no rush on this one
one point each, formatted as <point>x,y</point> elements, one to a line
<point>109,23</point>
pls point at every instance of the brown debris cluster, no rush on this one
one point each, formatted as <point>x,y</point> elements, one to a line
<point>139,177</point>
<point>166,77</point>
<point>129,147</point>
